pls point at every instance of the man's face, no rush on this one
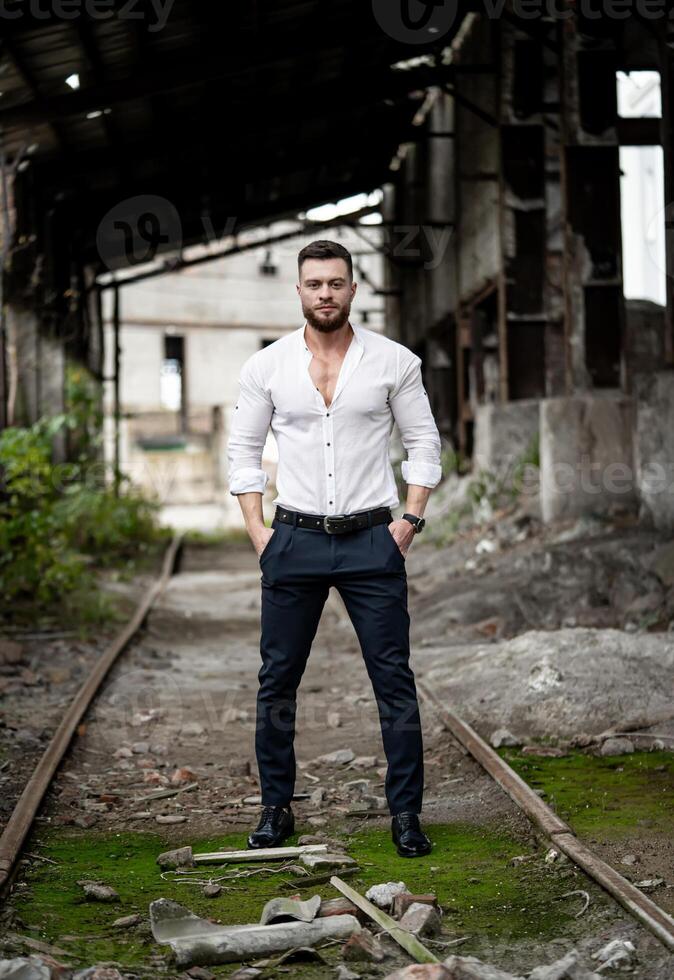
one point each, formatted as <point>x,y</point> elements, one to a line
<point>326,293</point>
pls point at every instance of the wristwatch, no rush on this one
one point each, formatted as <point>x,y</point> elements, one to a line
<point>418,523</point>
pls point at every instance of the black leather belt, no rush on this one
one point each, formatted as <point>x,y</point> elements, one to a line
<point>335,523</point>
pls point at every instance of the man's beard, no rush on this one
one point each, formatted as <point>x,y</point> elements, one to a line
<point>337,319</point>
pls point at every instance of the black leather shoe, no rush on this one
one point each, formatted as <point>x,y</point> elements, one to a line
<point>409,838</point>
<point>276,823</point>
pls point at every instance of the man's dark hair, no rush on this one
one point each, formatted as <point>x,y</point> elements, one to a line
<point>325,250</point>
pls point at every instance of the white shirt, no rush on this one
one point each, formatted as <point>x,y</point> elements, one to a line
<point>333,460</point>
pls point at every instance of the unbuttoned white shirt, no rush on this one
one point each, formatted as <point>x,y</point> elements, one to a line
<point>333,459</point>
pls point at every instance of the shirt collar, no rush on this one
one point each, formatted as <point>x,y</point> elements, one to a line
<point>357,339</point>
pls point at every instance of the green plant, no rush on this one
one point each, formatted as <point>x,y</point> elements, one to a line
<point>56,521</point>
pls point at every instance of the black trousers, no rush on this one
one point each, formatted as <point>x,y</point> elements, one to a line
<point>298,567</point>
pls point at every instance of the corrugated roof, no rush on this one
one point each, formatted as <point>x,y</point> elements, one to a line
<point>250,110</point>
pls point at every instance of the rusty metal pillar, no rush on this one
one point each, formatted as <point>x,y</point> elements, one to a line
<point>523,227</point>
<point>667,137</point>
<point>590,170</point>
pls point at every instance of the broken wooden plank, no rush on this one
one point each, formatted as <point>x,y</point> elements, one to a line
<point>294,883</point>
<point>404,938</point>
<point>261,853</point>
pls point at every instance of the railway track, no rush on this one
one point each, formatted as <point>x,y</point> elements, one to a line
<point>560,834</point>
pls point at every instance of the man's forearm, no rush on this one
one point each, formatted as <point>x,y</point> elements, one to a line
<point>417,498</point>
<point>251,507</point>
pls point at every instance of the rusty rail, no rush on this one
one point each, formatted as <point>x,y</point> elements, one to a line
<point>29,802</point>
<point>655,919</point>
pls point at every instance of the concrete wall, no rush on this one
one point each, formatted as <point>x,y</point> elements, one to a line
<point>586,450</point>
<point>654,447</point>
<point>504,433</point>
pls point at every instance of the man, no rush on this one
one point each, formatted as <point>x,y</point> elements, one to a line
<point>331,392</point>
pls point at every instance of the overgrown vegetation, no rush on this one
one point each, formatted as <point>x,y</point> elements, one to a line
<point>479,495</point>
<point>57,520</point>
<point>496,904</point>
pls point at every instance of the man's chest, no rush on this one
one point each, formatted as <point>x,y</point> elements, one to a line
<point>324,375</point>
<point>302,394</point>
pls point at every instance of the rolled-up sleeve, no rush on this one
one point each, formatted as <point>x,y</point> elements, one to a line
<point>248,432</point>
<point>419,433</point>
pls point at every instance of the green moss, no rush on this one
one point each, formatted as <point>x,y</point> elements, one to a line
<point>481,892</point>
<point>611,797</point>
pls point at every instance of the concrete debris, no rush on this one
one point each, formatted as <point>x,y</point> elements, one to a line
<point>24,968</point>
<point>568,696</point>
<point>568,968</point>
<point>195,941</point>
<point>199,973</point>
<point>364,762</point>
<point>167,818</point>
<point>193,728</point>
<point>288,909</point>
<point>182,775</point>
<point>629,859</point>
<point>330,843</point>
<point>649,883</point>
<point>259,854</point>
<point>181,857</point>
<point>502,737</point>
<point>362,947</point>
<point>422,971</point>
<point>245,973</point>
<point>127,921</point>
<point>327,861</point>
<point>382,895</point>
<point>616,746</point>
<point>98,973</point>
<point>470,968</point>
<point>402,902</point>
<point>317,797</point>
<point>211,890</point>
<point>339,906</point>
<point>96,891</point>
<point>421,920</point>
<point>411,944</point>
<point>339,758</point>
<point>357,787</point>
<point>344,973</point>
<point>619,954</point>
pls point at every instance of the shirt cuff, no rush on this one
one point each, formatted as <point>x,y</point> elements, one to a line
<point>248,480</point>
<point>421,474</point>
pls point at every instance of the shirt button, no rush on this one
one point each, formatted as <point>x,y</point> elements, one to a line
<point>329,501</point>
<point>327,444</point>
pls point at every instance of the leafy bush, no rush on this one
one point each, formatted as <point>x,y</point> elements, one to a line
<point>55,522</point>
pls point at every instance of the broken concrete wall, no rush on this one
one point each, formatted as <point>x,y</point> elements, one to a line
<point>586,453</point>
<point>505,433</point>
<point>654,446</point>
